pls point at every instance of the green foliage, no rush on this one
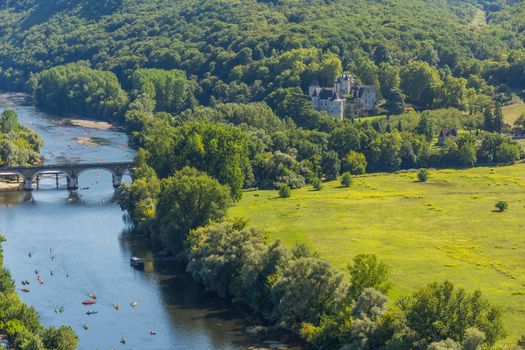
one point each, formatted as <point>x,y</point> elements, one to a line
<point>170,89</point>
<point>219,251</point>
<point>76,88</point>
<point>330,165</point>
<point>187,200</point>
<point>355,163</point>
<point>218,149</point>
<point>502,206</point>
<point>346,179</point>
<point>422,175</point>
<point>284,191</point>
<point>307,289</point>
<point>140,198</point>
<point>19,146</point>
<point>317,184</point>
<point>365,272</point>
<point>63,338</point>
<point>441,311</point>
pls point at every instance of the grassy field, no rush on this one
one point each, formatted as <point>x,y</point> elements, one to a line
<point>513,112</point>
<point>445,228</point>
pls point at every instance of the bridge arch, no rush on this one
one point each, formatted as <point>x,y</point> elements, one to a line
<point>72,172</point>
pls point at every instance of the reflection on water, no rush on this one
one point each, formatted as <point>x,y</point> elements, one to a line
<point>77,246</point>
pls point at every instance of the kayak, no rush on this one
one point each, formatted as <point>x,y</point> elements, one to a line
<point>91,312</point>
<point>26,290</point>
<point>88,302</point>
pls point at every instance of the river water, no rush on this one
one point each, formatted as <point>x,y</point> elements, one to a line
<point>79,246</point>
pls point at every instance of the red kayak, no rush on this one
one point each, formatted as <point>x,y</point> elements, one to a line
<point>88,302</point>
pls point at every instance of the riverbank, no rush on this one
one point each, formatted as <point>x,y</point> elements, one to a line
<point>9,186</point>
<point>28,328</point>
<point>89,246</point>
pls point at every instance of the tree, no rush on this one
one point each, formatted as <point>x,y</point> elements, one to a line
<point>170,89</point>
<point>317,184</point>
<point>330,165</point>
<point>76,88</point>
<point>216,254</point>
<point>355,163</point>
<point>467,151</point>
<point>140,198</point>
<point>420,83</point>
<point>425,126</point>
<point>474,339</point>
<point>441,311</point>
<point>307,289</point>
<point>220,150</point>
<point>498,123</point>
<point>284,191</point>
<point>63,338</point>
<point>501,206</point>
<point>488,119</point>
<point>187,200</point>
<point>422,175</point>
<point>8,121</point>
<point>346,179</point>
<point>367,271</point>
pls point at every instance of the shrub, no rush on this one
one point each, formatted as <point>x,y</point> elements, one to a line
<point>284,191</point>
<point>502,206</point>
<point>317,184</point>
<point>422,175</point>
<point>521,342</point>
<point>346,179</point>
<point>355,163</point>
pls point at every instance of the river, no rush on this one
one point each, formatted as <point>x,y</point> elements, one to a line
<point>79,246</point>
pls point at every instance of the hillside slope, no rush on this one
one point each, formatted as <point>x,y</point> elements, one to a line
<point>207,37</point>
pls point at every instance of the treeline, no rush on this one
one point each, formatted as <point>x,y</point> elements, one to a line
<point>21,323</point>
<point>76,88</point>
<point>19,145</point>
<point>330,309</point>
<point>295,289</point>
<point>248,145</point>
<point>241,53</point>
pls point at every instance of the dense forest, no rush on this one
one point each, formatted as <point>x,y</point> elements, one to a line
<point>239,51</point>
<point>19,145</point>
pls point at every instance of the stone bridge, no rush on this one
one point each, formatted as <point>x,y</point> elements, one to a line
<point>71,171</point>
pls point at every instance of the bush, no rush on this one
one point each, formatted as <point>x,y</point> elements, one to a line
<point>502,206</point>
<point>284,191</point>
<point>422,175</point>
<point>355,163</point>
<point>346,179</point>
<point>317,184</point>
<point>521,342</point>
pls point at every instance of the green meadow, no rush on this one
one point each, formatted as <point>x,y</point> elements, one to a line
<point>513,112</point>
<point>446,228</point>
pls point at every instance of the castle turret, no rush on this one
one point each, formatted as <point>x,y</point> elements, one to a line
<point>313,87</point>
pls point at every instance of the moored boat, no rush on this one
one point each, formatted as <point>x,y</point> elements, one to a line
<point>137,263</point>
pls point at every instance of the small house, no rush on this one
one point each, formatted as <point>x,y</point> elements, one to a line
<point>447,133</point>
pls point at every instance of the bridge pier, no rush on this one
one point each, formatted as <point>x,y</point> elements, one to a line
<point>117,180</point>
<point>28,184</point>
<point>72,183</point>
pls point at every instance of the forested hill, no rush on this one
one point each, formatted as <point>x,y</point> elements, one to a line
<point>218,41</point>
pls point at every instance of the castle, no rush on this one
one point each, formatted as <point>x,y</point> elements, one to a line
<point>333,100</point>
